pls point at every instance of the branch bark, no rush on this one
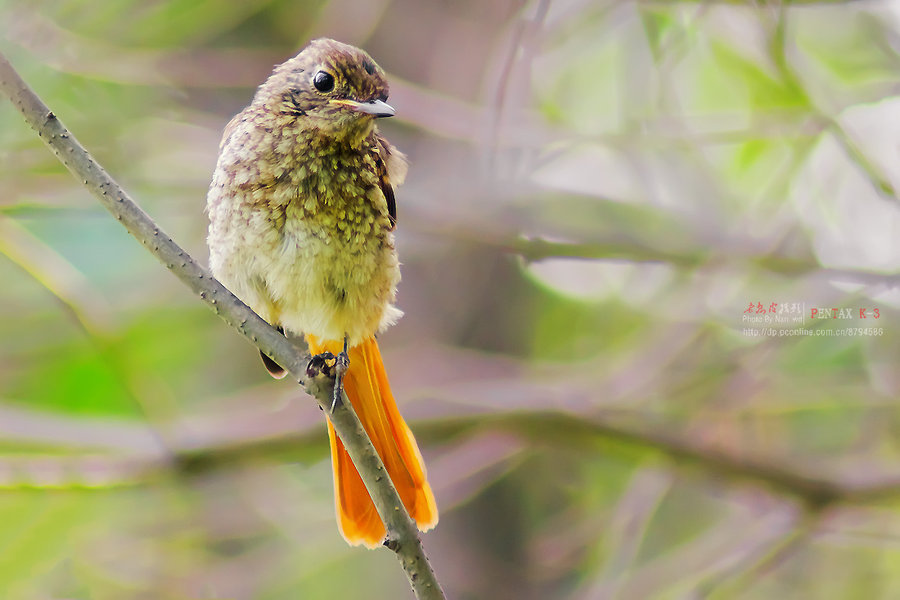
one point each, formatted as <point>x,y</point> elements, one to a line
<point>402,533</point>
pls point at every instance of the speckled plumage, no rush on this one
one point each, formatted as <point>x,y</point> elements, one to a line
<point>301,202</point>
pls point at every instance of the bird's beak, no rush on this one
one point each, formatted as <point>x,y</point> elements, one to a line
<point>376,108</point>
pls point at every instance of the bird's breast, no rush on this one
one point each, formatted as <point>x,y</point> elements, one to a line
<point>335,266</point>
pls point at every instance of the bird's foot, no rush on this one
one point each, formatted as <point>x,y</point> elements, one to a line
<point>331,365</point>
<point>321,364</point>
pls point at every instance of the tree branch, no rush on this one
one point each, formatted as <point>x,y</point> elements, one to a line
<point>783,476</point>
<point>267,436</point>
<point>402,533</point>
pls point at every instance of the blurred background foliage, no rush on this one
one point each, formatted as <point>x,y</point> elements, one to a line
<point>598,192</point>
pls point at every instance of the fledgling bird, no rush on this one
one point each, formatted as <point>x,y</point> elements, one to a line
<point>302,210</point>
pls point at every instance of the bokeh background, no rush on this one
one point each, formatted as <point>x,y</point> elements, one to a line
<point>600,194</point>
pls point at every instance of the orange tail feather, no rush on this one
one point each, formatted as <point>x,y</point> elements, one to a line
<point>367,388</point>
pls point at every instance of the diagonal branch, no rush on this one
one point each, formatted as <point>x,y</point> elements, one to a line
<point>402,533</point>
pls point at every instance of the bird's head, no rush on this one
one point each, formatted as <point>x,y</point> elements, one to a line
<point>333,87</point>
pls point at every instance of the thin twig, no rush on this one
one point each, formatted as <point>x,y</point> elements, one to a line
<point>780,475</point>
<point>523,28</point>
<point>730,582</point>
<point>88,308</point>
<point>778,50</point>
<point>402,533</point>
<point>628,249</point>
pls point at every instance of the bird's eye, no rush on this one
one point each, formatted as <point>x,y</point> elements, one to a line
<point>323,81</point>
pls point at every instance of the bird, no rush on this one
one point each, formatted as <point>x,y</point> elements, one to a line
<point>302,215</point>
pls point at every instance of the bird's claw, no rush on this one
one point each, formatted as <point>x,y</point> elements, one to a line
<point>322,364</point>
<point>330,365</point>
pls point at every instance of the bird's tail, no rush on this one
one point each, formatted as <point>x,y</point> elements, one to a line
<point>367,388</point>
